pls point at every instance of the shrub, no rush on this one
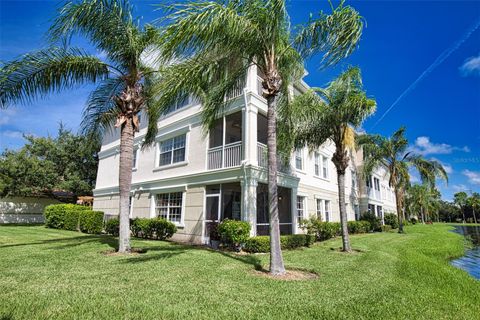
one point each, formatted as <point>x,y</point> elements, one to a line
<point>233,232</point>
<point>375,223</point>
<point>386,228</point>
<point>112,226</point>
<point>90,221</point>
<point>319,229</point>
<point>262,243</point>
<point>358,227</point>
<point>391,219</point>
<point>155,228</point>
<point>64,216</point>
<point>139,226</point>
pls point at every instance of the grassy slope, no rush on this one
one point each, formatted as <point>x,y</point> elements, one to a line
<point>57,274</point>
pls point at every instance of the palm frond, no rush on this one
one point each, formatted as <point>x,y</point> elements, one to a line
<point>334,35</point>
<point>101,111</point>
<point>50,70</point>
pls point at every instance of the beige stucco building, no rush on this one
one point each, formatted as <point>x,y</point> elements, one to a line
<point>195,178</point>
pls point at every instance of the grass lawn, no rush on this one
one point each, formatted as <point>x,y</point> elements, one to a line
<point>54,274</point>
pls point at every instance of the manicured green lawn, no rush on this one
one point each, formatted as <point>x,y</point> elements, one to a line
<point>53,274</point>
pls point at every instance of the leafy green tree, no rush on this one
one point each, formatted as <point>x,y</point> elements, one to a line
<point>213,43</point>
<point>460,199</point>
<point>67,162</point>
<point>448,211</point>
<point>423,199</point>
<point>474,202</point>
<point>124,79</point>
<point>331,114</point>
<point>391,153</point>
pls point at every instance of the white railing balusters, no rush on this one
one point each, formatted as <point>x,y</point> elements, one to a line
<point>226,156</point>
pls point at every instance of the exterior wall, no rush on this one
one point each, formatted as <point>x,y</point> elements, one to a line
<point>24,209</point>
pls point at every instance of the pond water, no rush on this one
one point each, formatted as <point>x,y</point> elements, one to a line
<point>470,262</point>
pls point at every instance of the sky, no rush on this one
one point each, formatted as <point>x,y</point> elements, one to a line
<point>420,60</point>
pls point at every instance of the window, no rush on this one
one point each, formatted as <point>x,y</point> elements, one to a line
<point>379,212</point>
<point>319,208</point>
<point>135,158</point>
<point>371,208</point>
<point>354,179</point>
<point>376,184</point>
<point>172,150</point>
<point>369,182</point>
<point>317,164</point>
<point>327,210</point>
<point>324,167</point>
<point>356,210</point>
<point>180,103</point>
<point>169,206</point>
<point>130,206</point>
<point>298,160</point>
<point>300,208</point>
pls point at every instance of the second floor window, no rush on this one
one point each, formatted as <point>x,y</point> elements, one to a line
<point>135,158</point>
<point>324,167</point>
<point>172,150</point>
<point>298,160</point>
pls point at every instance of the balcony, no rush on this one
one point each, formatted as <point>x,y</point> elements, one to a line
<point>283,162</point>
<point>225,156</point>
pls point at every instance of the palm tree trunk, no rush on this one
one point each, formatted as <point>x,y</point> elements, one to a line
<point>421,211</point>
<point>125,182</point>
<point>343,211</point>
<point>398,201</point>
<point>276,260</point>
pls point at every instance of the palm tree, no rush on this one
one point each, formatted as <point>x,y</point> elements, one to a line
<point>423,199</point>
<point>474,202</point>
<point>123,79</point>
<point>460,199</point>
<point>212,44</point>
<point>330,114</point>
<point>391,153</point>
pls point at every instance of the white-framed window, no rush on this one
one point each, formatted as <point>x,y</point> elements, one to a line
<point>299,159</point>
<point>135,157</point>
<point>369,182</point>
<point>376,183</point>
<point>300,208</point>
<point>180,103</point>
<point>327,210</point>
<point>319,208</point>
<point>169,206</point>
<point>371,208</point>
<point>354,179</point>
<point>380,212</point>
<point>324,167</point>
<point>172,150</point>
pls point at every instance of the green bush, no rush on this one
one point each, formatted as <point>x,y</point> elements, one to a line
<point>391,219</point>
<point>358,227</point>
<point>375,223</point>
<point>91,221</point>
<point>112,226</point>
<point>386,228</point>
<point>139,226</point>
<point>262,243</point>
<point>66,216</point>
<point>319,229</point>
<point>155,228</point>
<point>233,232</point>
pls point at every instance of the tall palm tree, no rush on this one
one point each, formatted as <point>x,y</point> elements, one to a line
<point>212,44</point>
<point>460,199</point>
<point>123,79</point>
<point>331,114</point>
<point>474,202</point>
<point>391,153</point>
<point>422,199</point>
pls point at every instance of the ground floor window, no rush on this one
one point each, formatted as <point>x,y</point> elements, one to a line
<point>371,208</point>
<point>300,208</point>
<point>323,209</point>
<point>379,212</point>
<point>169,206</point>
<point>284,210</point>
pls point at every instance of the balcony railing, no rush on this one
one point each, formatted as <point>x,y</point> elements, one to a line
<point>225,156</point>
<point>283,162</point>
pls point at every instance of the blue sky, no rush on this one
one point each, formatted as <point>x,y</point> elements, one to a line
<point>402,41</point>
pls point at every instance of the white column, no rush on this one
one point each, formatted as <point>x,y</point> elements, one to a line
<point>249,203</point>
<point>251,84</point>
<point>295,228</point>
<point>250,135</point>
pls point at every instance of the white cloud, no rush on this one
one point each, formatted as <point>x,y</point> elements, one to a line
<point>6,115</point>
<point>473,176</point>
<point>13,134</point>
<point>459,187</point>
<point>471,66</point>
<point>424,146</point>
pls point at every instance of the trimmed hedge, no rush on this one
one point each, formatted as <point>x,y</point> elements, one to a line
<point>320,230</point>
<point>386,228</point>
<point>391,219</point>
<point>261,244</point>
<point>233,233</point>
<point>375,223</point>
<point>73,217</point>
<point>358,227</point>
<point>155,228</point>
